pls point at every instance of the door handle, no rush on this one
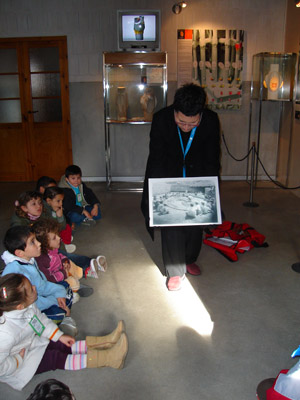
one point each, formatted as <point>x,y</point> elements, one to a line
<point>33,112</point>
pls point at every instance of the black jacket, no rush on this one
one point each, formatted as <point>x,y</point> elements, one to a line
<point>166,158</point>
<point>69,202</point>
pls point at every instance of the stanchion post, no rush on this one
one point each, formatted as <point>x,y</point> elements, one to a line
<point>250,203</point>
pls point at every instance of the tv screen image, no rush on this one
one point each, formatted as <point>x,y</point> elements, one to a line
<point>140,27</point>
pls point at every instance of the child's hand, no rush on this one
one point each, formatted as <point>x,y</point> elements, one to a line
<point>67,340</point>
<point>87,214</point>
<point>22,353</point>
<point>66,265</point>
<point>94,211</point>
<point>59,212</point>
<point>61,301</point>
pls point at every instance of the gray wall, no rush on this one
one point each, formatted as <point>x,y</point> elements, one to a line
<point>290,141</point>
<point>91,28</point>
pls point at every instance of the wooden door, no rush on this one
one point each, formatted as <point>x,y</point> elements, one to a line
<point>35,135</point>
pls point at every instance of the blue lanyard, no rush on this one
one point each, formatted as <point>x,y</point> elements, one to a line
<point>189,143</point>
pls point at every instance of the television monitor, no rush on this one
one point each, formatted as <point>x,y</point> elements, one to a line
<point>139,30</point>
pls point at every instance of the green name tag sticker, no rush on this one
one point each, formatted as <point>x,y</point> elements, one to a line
<point>79,198</point>
<point>36,325</point>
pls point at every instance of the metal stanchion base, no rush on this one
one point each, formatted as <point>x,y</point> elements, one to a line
<point>250,204</point>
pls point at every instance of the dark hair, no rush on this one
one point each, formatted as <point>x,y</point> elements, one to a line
<point>52,191</point>
<point>51,389</point>
<point>72,170</point>
<point>44,181</point>
<point>23,199</point>
<point>190,99</point>
<point>12,292</point>
<point>41,229</point>
<point>16,238</point>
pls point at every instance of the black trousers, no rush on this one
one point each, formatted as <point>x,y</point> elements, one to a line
<point>181,245</point>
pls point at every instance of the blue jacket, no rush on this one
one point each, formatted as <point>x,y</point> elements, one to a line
<point>47,292</point>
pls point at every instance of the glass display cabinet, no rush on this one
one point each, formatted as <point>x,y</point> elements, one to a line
<point>273,76</point>
<point>273,80</point>
<point>135,86</point>
<point>298,82</point>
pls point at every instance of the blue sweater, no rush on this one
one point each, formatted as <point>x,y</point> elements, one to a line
<point>47,292</point>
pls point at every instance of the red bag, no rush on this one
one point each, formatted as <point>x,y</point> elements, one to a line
<point>230,239</point>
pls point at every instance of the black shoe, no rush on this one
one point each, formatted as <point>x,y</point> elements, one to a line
<point>296,267</point>
<point>85,290</point>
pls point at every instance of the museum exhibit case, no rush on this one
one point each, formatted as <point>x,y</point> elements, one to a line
<point>273,80</point>
<point>135,87</point>
<point>273,76</point>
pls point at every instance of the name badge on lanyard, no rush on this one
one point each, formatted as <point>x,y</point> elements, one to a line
<point>79,198</point>
<point>37,325</point>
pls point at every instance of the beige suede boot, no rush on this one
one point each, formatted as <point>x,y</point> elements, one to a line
<point>113,357</point>
<point>105,342</point>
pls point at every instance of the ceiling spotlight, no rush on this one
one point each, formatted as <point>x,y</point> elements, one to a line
<point>177,8</point>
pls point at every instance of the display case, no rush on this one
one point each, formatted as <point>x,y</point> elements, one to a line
<point>273,82</point>
<point>298,81</point>
<point>273,76</point>
<point>135,87</point>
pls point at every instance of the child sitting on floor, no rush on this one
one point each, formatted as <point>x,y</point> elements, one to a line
<point>51,389</point>
<point>47,232</point>
<point>43,183</point>
<point>53,201</point>
<point>286,386</point>
<point>81,205</point>
<point>28,208</point>
<point>53,299</point>
<point>30,343</point>
<point>56,266</point>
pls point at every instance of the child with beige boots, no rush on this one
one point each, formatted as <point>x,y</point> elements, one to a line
<point>30,343</point>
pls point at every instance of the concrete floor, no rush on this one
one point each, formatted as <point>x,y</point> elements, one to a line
<point>215,339</point>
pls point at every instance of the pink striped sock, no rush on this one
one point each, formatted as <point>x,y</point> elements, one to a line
<point>79,347</point>
<point>75,362</point>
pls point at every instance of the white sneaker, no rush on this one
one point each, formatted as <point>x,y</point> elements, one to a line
<point>88,222</point>
<point>70,248</point>
<point>76,297</point>
<point>102,263</point>
<point>68,326</point>
<point>91,271</point>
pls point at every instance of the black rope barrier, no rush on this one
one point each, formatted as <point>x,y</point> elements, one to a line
<point>271,179</point>
<point>261,164</point>
<point>236,159</point>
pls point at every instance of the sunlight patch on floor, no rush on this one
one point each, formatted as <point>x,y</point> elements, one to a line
<point>188,307</point>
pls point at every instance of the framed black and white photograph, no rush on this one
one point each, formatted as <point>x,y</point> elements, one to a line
<point>184,201</point>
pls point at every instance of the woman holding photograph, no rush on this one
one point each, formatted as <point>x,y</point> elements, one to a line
<point>184,142</point>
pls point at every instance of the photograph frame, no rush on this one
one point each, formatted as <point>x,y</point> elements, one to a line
<point>184,201</point>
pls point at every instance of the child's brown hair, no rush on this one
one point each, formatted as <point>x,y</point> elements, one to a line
<point>12,292</point>
<point>42,228</point>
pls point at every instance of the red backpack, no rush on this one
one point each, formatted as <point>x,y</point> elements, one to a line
<point>230,239</point>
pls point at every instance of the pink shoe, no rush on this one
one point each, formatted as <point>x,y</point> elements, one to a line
<point>174,283</point>
<point>193,269</point>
